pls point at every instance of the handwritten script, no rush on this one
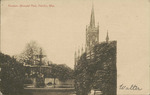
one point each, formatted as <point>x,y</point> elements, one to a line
<point>131,87</point>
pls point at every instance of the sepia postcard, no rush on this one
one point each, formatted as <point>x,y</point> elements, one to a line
<point>75,47</point>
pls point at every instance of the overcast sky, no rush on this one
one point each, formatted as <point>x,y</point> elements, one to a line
<point>60,30</point>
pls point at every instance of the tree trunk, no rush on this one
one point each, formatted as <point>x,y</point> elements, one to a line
<point>54,82</point>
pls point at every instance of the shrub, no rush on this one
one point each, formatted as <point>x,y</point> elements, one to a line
<point>12,75</point>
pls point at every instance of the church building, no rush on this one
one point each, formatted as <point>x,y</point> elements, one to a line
<point>92,38</point>
<point>96,66</point>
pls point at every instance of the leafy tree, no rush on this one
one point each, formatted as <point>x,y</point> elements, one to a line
<point>83,77</point>
<point>62,72</point>
<point>30,54</point>
<point>98,72</point>
<point>12,75</point>
<point>105,66</point>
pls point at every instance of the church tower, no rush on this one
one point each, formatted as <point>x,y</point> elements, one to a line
<point>92,33</point>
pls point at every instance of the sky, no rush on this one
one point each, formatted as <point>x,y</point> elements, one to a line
<point>60,31</point>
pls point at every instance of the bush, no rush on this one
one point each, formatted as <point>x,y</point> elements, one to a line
<point>28,81</point>
<point>97,72</point>
<point>12,75</point>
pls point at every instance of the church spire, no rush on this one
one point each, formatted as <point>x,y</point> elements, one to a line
<point>79,53</point>
<point>82,51</point>
<point>75,60</point>
<point>107,37</point>
<point>92,20</point>
<point>75,55</point>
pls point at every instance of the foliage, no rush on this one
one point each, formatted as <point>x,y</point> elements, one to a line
<point>62,72</point>
<point>28,81</point>
<point>40,81</point>
<point>12,75</point>
<point>65,73</point>
<point>98,71</point>
<point>83,77</point>
<point>105,65</point>
<point>30,55</point>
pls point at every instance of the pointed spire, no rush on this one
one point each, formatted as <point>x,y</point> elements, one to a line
<point>82,50</point>
<point>85,47</point>
<point>92,20</point>
<point>107,37</point>
<point>79,53</point>
<point>86,28</point>
<point>75,54</point>
<point>75,60</point>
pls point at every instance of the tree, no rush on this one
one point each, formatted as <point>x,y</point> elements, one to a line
<point>12,75</point>
<point>83,77</point>
<point>54,72</point>
<point>30,54</point>
<point>98,72</point>
<point>62,72</point>
<point>105,66</point>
